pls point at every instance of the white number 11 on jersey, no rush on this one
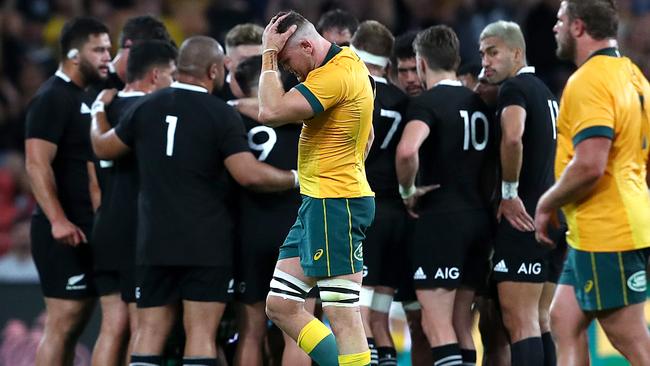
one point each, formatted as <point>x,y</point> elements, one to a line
<point>171,130</point>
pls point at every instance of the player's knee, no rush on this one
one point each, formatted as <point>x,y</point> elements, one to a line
<point>518,320</point>
<point>341,293</point>
<point>286,295</point>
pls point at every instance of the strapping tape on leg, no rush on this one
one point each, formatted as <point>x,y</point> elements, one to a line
<point>339,292</point>
<point>381,302</point>
<point>366,296</point>
<point>411,305</point>
<point>288,287</point>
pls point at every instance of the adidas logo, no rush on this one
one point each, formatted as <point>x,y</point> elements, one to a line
<point>501,267</point>
<point>84,109</point>
<point>419,274</point>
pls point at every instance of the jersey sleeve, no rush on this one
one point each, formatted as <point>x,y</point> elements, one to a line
<point>510,94</point>
<point>233,135</point>
<point>592,111</point>
<point>126,127</point>
<point>323,89</point>
<point>421,109</point>
<point>48,115</point>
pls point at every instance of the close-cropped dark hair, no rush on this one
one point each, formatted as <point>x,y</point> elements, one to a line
<point>600,16</point>
<point>146,55</point>
<point>438,45</point>
<point>403,47</point>
<point>339,19</point>
<point>248,72</point>
<point>75,33</point>
<point>143,28</point>
<point>293,18</point>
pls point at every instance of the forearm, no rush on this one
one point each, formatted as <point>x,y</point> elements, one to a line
<point>407,169</point>
<point>511,159</point>
<point>93,186</point>
<point>270,179</point>
<point>44,189</point>
<point>271,90</point>
<point>98,129</point>
<point>249,107</point>
<point>576,183</point>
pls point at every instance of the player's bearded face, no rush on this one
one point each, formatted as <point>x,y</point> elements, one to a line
<point>566,43</point>
<point>95,58</point>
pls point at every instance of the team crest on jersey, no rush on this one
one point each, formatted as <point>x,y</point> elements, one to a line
<point>74,283</point>
<point>318,254</point>
<point>637,282</point>
<point>358,253</point>
<point>589,285</point>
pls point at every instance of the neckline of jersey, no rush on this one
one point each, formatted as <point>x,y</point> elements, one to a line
<point>607,51</point>
<point>379,79</point>
<point>526,70</point>
<point>190,87</point>
<point>59,73</point>
<point>333,51</point>
<point>128,94</point>
<point>449,82</point>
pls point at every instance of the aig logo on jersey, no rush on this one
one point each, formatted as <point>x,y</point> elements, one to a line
<point>530,268</point>
<point>447,273</point>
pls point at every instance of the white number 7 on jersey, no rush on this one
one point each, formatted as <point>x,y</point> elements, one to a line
<point>171,130</point>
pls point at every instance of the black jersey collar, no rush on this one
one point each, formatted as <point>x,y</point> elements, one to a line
<point>59,73</point>
<point>333,51</point>
<point>128,94</point>
<point>191,87</point>
<point>526,70</point>
<point>379,79</point>
<point>607,51</point>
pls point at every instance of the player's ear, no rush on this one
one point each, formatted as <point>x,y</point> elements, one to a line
<point>213,71</point>
<point>227,62</point>
<point>306,46</point>
<point>577,28</point>
<point>73,55</point>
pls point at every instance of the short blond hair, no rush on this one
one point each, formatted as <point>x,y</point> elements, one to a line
<point>508,32</point>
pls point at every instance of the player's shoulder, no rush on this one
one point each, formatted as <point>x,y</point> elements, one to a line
<point>388,93</point>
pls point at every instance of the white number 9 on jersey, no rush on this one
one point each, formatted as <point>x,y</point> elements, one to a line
<point>265,147</point>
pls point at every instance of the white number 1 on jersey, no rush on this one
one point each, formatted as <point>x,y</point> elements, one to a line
<point>171,130</point>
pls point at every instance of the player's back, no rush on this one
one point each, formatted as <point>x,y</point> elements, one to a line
<point>457,149</point>
<point>388,124</point>
<point>181,136</point>
<point>609,96</point>
<point>539,139</point>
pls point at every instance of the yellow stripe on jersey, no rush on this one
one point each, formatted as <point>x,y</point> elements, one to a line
<point>609,97</point>
<point>332,143</point>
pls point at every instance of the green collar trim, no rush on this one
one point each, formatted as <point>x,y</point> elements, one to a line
<point>333,51</point>
<point>609,51</point>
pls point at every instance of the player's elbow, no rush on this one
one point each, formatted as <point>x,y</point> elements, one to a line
<point>251,180</point>
<point>510,141</point>
<point>405,153</point>
<point>591,172</point>
<point>101,151</point>
<point>270,117</point>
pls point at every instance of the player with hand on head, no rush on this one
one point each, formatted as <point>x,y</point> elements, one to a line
<point>324,246</point>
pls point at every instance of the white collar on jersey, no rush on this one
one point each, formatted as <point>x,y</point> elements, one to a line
<point>449,82</point>
<point>379,79</point>
<point>128,94</point>
<point>526,70</point>
<point>191,87</point>
<point>62,75</point>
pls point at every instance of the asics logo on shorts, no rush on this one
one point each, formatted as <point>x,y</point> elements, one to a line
<point>318,254</point>
<point>637,282</point>
<point>231,286</point>
<point>501,267</point>
<point>589,285</point>
<point>73,283</point>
